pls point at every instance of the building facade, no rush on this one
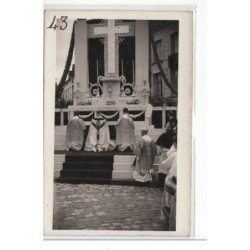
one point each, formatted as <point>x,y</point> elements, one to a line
<point>166,40</point>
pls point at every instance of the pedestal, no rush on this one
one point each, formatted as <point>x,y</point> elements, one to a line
<point>111,88</point>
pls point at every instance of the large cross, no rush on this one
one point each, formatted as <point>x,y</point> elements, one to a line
<point>111,30</point>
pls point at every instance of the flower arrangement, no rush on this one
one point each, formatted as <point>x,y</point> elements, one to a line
<point>85,103</point>
<point>95,90</point>
<point>133,101</point>
<point>128,89</point>
<point>110,102</point>
<point>78,93</point>
<point>144,91</point>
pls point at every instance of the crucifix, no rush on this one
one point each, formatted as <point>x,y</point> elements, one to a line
<point>110,31</point>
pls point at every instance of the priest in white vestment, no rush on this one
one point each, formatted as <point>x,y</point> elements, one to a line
<point>75,133</point>
<point>125,136</point>
<point>98,138</point>
<point>166,164</point>
<point>145,152</point>
<point>169,196</point>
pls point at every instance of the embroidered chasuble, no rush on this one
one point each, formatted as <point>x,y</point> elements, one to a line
<point>145,152</point>
<point>98,138</point>
<point>125,136</point>
<point>75,134</point>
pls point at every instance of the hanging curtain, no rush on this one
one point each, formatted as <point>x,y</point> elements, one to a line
<point>67,64</point>
<point>162,73</point>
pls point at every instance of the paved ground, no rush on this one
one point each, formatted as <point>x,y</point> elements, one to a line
<point>107,207</point>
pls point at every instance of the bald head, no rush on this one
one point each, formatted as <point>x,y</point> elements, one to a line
<point>144,131</point>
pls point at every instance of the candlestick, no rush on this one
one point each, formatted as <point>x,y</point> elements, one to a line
<point>133,69</point>
<point>122,66</point>
<point>97,70</point>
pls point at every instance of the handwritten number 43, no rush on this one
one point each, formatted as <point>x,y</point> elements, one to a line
<point>62,27</point>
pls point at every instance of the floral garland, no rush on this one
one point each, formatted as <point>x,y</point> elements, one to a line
<point>86,116</point>
<point>109,116</point>
<point>136,116</point>
<point>133,101</point>
<point>95,89</point>
<point>84,103</point>
<point>144,91</point>
<point>78,93</point>
<point>128,89</point>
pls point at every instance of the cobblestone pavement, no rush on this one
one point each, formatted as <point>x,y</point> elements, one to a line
<point>107,207</point>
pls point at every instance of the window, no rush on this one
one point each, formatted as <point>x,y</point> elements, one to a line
<point>173,59</point>
<point>174,42</point>
<point>157,86</point>
<point>159,50</point>
<point>127,58</point>
<point>95,58</point>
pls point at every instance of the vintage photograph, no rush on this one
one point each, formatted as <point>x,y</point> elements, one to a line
<point>116,123</point>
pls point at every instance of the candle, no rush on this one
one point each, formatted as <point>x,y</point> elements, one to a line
<point>97,70</point>
<point>133,69</point>
<point>122,66</point>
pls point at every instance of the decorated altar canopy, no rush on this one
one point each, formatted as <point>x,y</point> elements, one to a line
<point>111,64</point>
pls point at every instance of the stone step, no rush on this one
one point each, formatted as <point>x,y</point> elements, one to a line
<point>60,128</point>
<point>58,165</point>
<point>59,158</point>
<point>128,159</point>
<point>60,137</point>
<point>60,142</point>
<point>88,166</point>
<point>121,175</point>
<point>86,181</point>
<point>127,175</point>
<point>86,174</point>
<point>118,167</point>
<point>59,147</point>
<point>122,167</point>
<point>57,168</point>
<point>90,157</point>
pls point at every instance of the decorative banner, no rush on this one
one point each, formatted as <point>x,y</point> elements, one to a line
<point>109,116</point>
<point>86,116</point>
<point>136,116</point>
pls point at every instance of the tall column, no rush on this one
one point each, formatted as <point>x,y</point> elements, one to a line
<point>61,117</point>
<point>163,115</point>
<point>141,53</point>
<point>81,54</point>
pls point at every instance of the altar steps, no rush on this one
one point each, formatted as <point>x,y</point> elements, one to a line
<point>123,167</point>
<point>60,134</point>
<point>83,167</point>
<point>59,159</point>
<point>87,167</point>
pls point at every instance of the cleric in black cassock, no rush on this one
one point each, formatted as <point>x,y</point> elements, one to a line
<point>165,140</point>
